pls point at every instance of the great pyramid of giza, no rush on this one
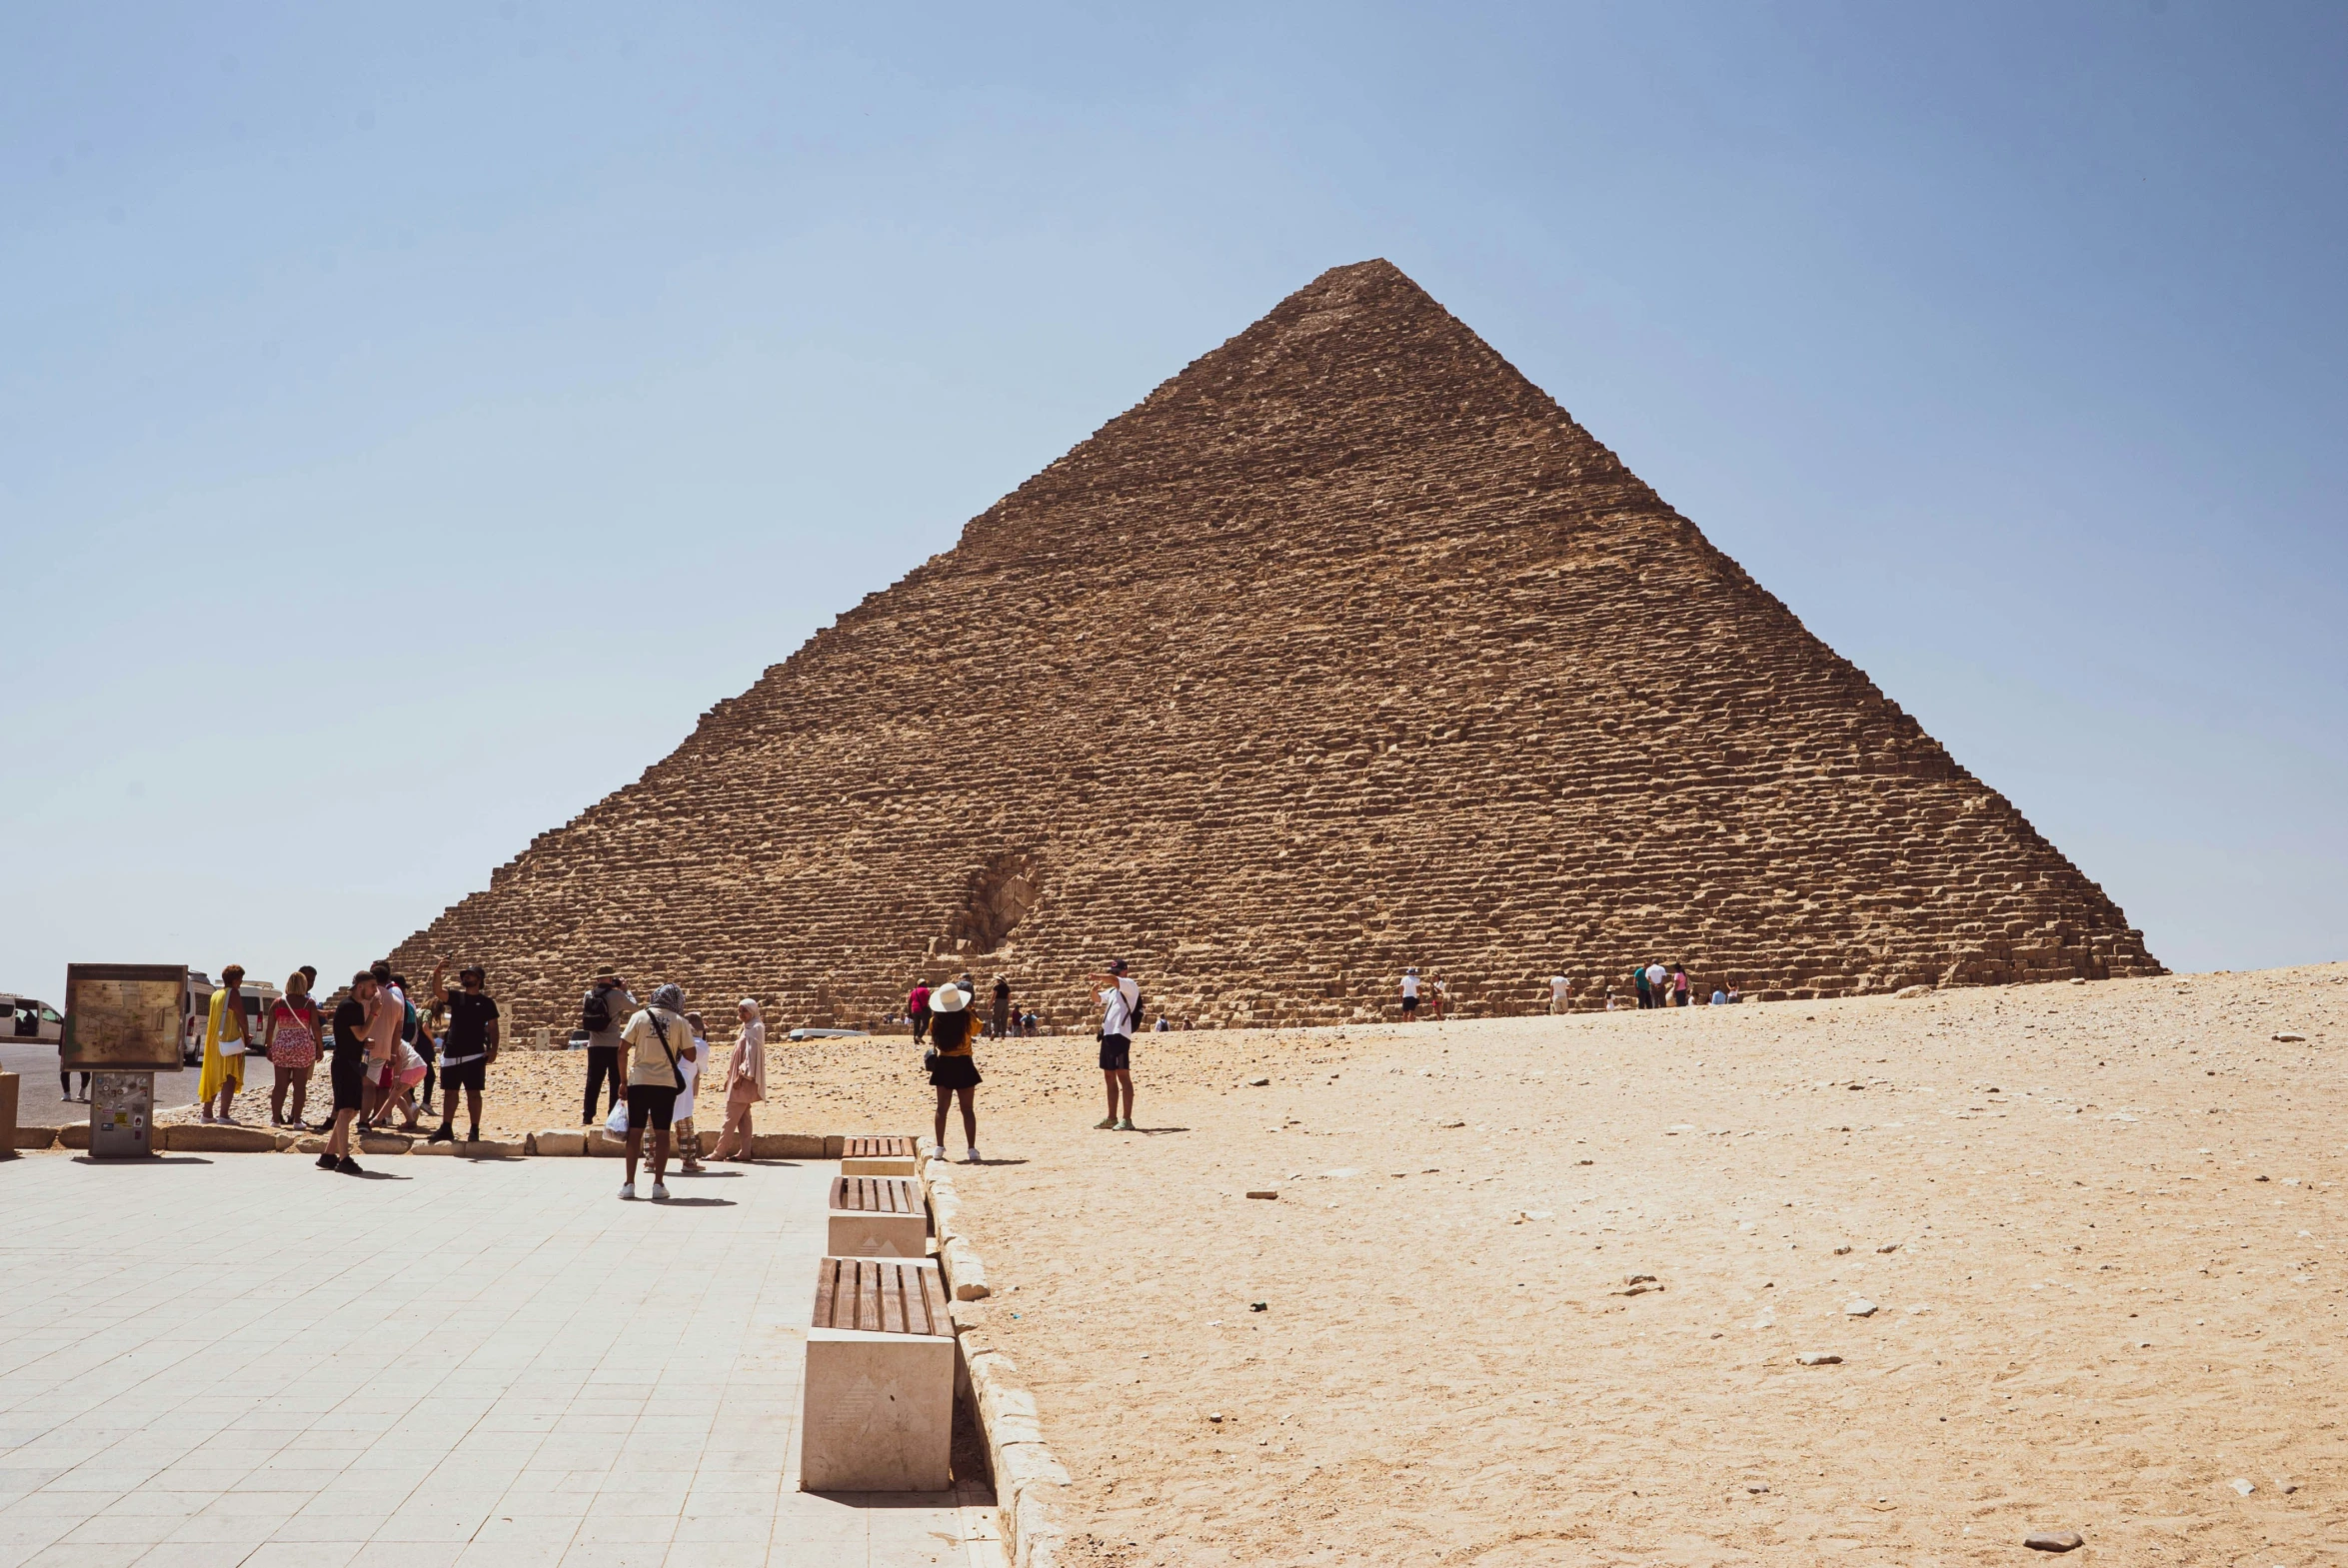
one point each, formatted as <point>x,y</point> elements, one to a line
<point>1346,648</point>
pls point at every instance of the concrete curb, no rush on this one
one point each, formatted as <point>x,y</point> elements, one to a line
<point>216,1139</point>
<point>1031,1486</point>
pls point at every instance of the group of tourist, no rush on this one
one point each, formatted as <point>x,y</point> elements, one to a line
<point>1436,993</point>
<point>1658,987</point>
<point>652,1056</point>
<point>1003,1019</point>
<point>379,1047</point>
<point>1653,984</point>
<point>383,1054</point>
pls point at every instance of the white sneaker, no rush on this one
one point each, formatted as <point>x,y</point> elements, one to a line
<point>969,1156</point>
<point>659,1191</point>
<point>628,1189</point>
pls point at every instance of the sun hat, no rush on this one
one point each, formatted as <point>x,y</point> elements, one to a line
<point>948,997</point>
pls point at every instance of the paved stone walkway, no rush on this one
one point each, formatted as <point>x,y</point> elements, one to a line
<point>243,1360</point>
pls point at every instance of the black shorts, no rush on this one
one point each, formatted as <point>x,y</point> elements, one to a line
<point>465,1075</point>
<point>651,1105</point>
<point>1409,1005</point>
<point>1116,1053</point>
<point>349,1071</point>
<point>955,1072</point>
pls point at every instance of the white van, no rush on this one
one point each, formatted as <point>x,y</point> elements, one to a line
<point>24,1020</point>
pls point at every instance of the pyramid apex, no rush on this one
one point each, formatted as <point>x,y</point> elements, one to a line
<point>1352,277</point>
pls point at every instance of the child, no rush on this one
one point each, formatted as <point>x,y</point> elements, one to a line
<point>689,1064</point>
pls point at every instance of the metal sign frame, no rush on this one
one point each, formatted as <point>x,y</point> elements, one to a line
<point>73,1053</point>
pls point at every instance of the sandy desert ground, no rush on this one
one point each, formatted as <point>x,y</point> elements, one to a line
<point>2099,1227</point>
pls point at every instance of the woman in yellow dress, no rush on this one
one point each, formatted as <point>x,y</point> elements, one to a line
<point>226,1039</point>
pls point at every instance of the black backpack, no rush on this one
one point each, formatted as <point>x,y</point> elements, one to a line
<point>596,1016</point>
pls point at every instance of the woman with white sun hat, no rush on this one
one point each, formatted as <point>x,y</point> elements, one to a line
<point>953,1071</point>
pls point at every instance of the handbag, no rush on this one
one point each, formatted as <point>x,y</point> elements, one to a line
<point>229,1048</point>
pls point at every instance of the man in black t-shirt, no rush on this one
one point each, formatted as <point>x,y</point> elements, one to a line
<point>349,1071</point>
<point>467,1048</point>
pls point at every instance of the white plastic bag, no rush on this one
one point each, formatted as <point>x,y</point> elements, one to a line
<point>616,1123</point>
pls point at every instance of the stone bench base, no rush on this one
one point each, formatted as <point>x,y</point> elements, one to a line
<point>855,1233</point>
<point>880,1166</point>
<point>879,1414</point>
<point>877,1216</point>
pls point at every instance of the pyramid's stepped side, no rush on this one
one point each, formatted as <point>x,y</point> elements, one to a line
<point>1345,650</point>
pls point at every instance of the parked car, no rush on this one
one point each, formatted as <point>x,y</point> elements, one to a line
<point>30,1021</point>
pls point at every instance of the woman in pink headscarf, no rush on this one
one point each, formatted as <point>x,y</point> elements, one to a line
<point>745,1083</point>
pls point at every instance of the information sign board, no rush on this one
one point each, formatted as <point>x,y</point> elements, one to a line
<point>123,1017</point>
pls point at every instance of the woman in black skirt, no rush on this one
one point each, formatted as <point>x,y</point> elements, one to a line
<point>951,1069</point>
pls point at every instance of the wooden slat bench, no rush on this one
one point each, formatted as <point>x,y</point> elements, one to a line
<point>877,1216</point>
<point>881,1156</point>
<point>879,1401</point>
<point>881,1296</point>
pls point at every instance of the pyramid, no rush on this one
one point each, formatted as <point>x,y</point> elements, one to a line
<point>1346,648</point>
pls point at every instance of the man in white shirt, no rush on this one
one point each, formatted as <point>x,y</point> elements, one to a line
<point>1409,995</point>
<point>1560,994</point>
<point>1656,974</point>
<point>1120,1007</point>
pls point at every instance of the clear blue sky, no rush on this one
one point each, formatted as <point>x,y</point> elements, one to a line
<point>368,379</point>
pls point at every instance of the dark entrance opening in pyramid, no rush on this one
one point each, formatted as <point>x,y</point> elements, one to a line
<point>1001,894</point>
<point>1346,649</point>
